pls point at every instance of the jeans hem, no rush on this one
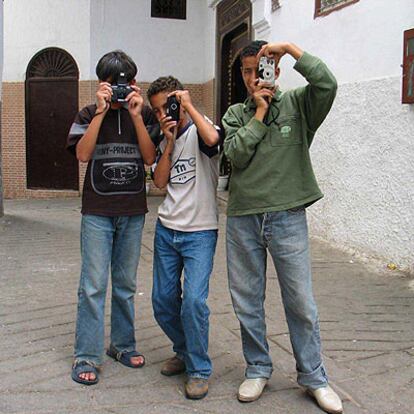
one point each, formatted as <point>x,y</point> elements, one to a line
<point>88,360</point>
<point>200,376</point>
<point>258,371</point>
<point>313,380</point>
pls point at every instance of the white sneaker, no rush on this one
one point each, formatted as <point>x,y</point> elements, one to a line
<point>251,389</point>
<point>327,399</point>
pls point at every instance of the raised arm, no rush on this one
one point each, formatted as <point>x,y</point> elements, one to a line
<point>86,145</point>
<point>205,129</point>
<point>135,107</point>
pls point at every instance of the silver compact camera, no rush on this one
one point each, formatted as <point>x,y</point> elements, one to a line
<point>266,72</point>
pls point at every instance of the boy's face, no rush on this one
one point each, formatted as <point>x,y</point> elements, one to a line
<point>159,106</point>
<point>249,73</point>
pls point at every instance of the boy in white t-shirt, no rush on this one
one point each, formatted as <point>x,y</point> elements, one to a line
<point>186,232</point>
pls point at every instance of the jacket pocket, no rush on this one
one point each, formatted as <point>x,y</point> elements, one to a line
<point>289,131</point>
<point>117,177</point>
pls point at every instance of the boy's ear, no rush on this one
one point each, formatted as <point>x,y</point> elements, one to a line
<point>277,72</point>
<point>133,82</point>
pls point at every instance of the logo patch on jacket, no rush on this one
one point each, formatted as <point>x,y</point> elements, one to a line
<point>285,131</point>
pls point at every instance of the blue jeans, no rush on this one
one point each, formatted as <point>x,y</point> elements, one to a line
<point>181,309</point>
<point>115,242</point>
<point>285,235</point>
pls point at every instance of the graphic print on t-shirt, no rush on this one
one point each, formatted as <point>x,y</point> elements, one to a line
<point>183,171</point>
<point>117,168</point>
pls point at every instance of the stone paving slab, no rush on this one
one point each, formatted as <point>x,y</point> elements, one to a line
<point>367,329</point>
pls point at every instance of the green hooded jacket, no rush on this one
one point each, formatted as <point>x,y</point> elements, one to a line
<point>271,165</point>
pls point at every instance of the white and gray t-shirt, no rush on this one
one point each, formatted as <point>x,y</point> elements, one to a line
<point>190,203</point>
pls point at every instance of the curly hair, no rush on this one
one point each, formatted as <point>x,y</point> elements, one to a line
<point>164,84</point>
<point>252,49</point>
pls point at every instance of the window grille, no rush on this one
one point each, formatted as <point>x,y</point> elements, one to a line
<point>169,9</point>
<point>323,7</point>
<point>275,5</point>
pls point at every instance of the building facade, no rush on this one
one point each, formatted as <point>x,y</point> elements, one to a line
<point>362,154</point>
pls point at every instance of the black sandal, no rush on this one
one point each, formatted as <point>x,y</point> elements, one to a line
<point>84,367</point>
<point>124,357</point>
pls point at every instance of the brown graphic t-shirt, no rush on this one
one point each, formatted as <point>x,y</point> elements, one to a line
<point>115,177</point>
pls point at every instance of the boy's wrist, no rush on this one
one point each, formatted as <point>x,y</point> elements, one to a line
<point>293,50</point>
<point>188,106</point>
<point>137,117</point>
<point>260,113</point>
<point>100,113</point>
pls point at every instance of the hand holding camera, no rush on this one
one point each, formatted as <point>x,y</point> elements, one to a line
<point>262,98</point>
<point>274,51</point>
<point>103,97</point>
<point>168,127</point>
<point>135,101</point>
<point>183,98</point>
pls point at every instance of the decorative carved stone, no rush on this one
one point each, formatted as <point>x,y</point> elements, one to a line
<point>234,13</point>
<point>52,63</point>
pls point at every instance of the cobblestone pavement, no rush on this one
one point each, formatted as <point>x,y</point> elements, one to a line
<point>366,326</point>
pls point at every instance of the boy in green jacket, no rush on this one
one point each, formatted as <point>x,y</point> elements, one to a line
<point>272,182</point>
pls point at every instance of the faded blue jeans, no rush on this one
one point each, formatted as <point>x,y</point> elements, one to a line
<point>285,235</point>
<point>180,308</point>
<point>113,242</point>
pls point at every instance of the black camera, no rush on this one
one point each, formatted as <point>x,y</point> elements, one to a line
<point>173,108</point>
<point>121,89</point>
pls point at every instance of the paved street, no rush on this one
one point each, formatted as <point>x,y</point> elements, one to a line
<point>367,327</point>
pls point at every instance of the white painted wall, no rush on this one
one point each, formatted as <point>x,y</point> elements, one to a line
<point>360,42</point>
<point>87,29</point>
<point>159,46</point>
<point>210,42</point>
<point>363,154</point>
<point>32,25</point>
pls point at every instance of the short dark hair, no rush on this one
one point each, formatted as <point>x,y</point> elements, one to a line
<point>113,63</point>
<point>164,84</point>
<point>252,49</point>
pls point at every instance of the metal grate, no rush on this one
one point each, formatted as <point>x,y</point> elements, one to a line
<point>275,5</point>
<point>327,5</point>
<point>169,9</point>
<point>52,63</point>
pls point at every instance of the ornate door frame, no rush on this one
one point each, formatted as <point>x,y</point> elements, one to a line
<point>233,31</point>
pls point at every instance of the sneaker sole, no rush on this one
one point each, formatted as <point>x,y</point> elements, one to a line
<point>195,397</point>
<point>172,373</point>
<point>243,399</point>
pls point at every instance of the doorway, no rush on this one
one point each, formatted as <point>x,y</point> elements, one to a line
<point>233,34</point>
<point>51,104</point>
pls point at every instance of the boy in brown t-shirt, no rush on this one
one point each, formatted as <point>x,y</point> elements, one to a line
<point>111,136</point>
